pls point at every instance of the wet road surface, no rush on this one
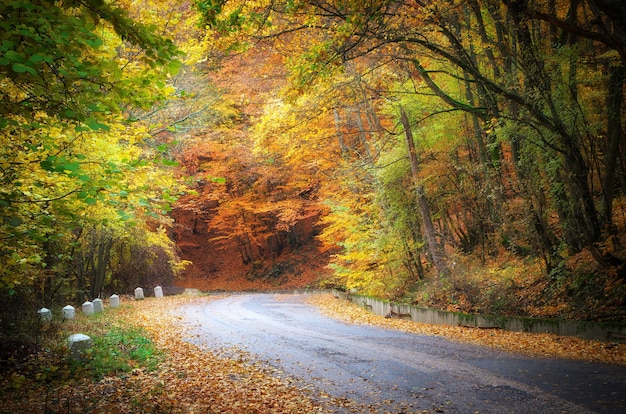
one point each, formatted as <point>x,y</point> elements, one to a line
<point>396,372</point>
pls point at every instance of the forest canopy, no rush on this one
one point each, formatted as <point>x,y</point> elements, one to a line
<point>467,155</point>
<point>83,197</point>
<point>455,135</point>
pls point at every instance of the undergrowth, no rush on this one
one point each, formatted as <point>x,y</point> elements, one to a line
<point>117,350</point>
<point>521,288</point>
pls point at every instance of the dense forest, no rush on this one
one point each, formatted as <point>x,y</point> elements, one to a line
<point>465,155</point>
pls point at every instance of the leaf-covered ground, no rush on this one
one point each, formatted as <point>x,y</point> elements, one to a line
<point>524,343</point>
<point>189,379</point>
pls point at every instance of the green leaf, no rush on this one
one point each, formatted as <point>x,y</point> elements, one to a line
<point>124,215</point>
<point>94,107</point>
<point>37,57</point>
<point>219,180</point>
<point>21,68</point>
<point>13,56</point>
<point>173,67</point>
<point>48,164</point>
<point>169,163</point>
<point>7,45</point>
<point>94,43</point>
<point>90,201</point>
<point>94,125</point>
<point>14,221</point>
<point>71,166</point>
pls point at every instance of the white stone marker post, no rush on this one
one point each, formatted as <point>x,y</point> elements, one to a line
<point>45,314</point>
<point>98,306</point>
<point>87,308</point>
<point>68,312</point>
<point>158,292</point>
<point>139,293</point>
<point>114,301</point>
<point>78,343</point>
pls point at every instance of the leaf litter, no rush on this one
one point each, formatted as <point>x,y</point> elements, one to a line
<point>532,344</point>
<point>190,379</point>
<point>193,379</point>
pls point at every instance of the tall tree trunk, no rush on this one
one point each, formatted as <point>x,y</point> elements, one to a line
<point>615,137</point>
<point>101,263</point>
<point>435,248</point>
<point>578,211</point>
<point>362,135</point>
<point>340,139</point>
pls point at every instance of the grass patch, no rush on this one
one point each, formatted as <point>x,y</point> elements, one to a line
<point>120,350</point>
<point>44,378</point>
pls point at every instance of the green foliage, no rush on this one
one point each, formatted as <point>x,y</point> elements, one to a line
<point>120,350</point>
<point>318,63</point>
<point>71,163</point>
<point>210,9</point>
<point>58,59</point>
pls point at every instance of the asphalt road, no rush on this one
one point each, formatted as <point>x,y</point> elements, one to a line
<point>390,371</point>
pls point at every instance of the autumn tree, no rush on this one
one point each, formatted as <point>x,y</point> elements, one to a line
<point>522,94</point>
<point>76,179</point>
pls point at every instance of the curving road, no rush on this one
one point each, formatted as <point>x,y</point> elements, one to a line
<point>390,371</point>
